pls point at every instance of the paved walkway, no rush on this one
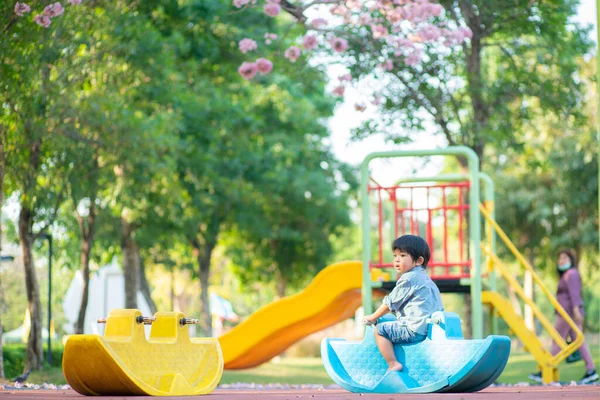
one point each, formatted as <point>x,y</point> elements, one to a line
<point>495,393</point>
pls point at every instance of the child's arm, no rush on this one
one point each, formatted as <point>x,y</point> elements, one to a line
<point>372,318</point>
<point>395,300</point>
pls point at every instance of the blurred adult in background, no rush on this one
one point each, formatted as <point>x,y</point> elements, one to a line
<point>569,296</point>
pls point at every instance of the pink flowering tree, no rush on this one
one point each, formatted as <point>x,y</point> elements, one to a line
<point>462,68</point>
<point>43,12</point>
<point>393,31</point>
<point>386,41</point>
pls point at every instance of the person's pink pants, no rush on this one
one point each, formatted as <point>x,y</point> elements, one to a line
<point>564,329</point>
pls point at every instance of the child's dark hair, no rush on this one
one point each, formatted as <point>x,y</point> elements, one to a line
<point>416,246</point>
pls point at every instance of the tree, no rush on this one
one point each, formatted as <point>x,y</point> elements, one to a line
<point>302,202</point>
<point>20,11</point>
<point>426,75</point>
<point>557,161</point>
<point>41,73</point>
<point>224,121</point>
<point>27,92</point>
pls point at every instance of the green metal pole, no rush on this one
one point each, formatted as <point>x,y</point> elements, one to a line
<point>474,223</point>
<point>475,240</point>
<point>488,195</point>
<point>367,298</point>
<point>438,178</point>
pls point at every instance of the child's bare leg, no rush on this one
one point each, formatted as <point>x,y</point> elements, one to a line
<point>387,351</point>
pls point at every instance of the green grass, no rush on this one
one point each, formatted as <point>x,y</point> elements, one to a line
<point>520,364</point>
<point>310,370</point>
<point>286,370</point>
<point>48,375</point>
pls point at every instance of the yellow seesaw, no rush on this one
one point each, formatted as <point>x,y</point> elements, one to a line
<point>123,362</point>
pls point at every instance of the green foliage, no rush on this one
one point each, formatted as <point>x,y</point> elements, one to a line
<point>520,64</point>
<point>140,111</point>
<point>550,187</point>
<point>14,358</point>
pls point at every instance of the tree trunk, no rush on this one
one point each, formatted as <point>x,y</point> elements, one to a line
<point>34,355</point>
<point>130,262</point>
<point>173,288</point>
<point>204,258</point>
<point>281,284</point>
<point>475,84</point>
<point>87,241</point>
<point>468,331</point>
<point>85,275</point>
<point>1,332</point>
<point>145,286</point>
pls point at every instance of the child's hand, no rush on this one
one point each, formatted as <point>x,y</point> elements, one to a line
<point>370,320</point>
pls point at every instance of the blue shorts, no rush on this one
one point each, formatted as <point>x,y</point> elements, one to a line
<point>396,333</point>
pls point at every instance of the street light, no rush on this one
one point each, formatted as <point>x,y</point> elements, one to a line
<point>48,236</point>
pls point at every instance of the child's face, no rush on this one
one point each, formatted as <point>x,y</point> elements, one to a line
<point>403,262</point>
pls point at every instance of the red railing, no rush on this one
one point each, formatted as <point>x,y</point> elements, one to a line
<point>445,235</point>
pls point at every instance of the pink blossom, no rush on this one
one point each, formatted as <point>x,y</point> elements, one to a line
<point>54,10</point>
<point>74,2</point>
<point>339,44</point>
<point>292,53</point>
<point>248,70</point>
<point>466,32</point>
<point>354,4</point>
<point>387,65</point>
<point>364,19</point>
<point>404,42</point>
<point>413,58</point>
<point>385,4</point>
<point>42,20</point>
<point>421,11</point>
<point>456,37</point>
<point>429,33</point>
<point>240,3</point>
<point>401,44</point>
<point>247,45</point>
<point>345,77</point>
<point>264,66</point>
<point>272,9</point>
<point>338,91</point>
<point>436,10</point>
<point>339,9</point>
<point>269,37</point>
<point>379,31</point>
<point>309,42</point>
<point>396,15</point>
<point>21,9</point>
<point>318,22</point>
<point>360,107</point>
<point>377,99</point>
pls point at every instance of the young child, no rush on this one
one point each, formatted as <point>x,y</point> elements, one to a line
<point>414,299</point>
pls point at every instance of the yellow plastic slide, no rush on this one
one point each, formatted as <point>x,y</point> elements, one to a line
<point>333,295</point>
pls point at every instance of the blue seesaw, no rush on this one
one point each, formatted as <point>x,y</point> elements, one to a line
<point>443,362</point>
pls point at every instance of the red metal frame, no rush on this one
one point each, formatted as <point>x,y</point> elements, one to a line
<point>444,267</point>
